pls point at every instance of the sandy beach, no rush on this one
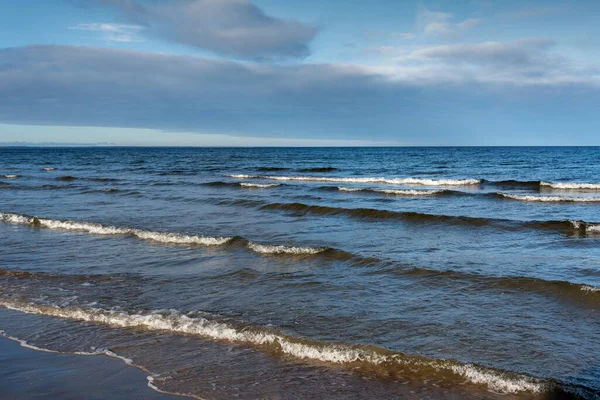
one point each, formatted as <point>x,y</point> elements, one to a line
<point>30,374</point>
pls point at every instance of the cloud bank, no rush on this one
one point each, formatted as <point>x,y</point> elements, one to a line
<point>87,86</point>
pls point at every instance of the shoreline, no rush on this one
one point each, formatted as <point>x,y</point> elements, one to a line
<point>28,373</point>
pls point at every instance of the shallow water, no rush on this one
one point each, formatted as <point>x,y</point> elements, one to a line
<point>321,273</point>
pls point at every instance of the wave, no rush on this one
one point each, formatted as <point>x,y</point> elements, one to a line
<point>12,176</point>
<point>571,185</point>
<point>397,192</point>
<point>580,228</point>
<point>391,181</point>
<point>317,169</point>
<point>267,169</point>
<point>98,229</point>
<point>448,372</point>
<point>67,178</point>
<point>537,185</point>
<point>504,184</point>
<point>242,184</point>
<point>585,228</point>
<point>169,237</point>
<point>557,288</point>
<point>550,199</point>
<point>512,184</point>
<point>49,169</point>
<point>377,214</point>
<point>279,249</point>
<point>103,179</point>
<point>258,185</point>
<point>591,289</point>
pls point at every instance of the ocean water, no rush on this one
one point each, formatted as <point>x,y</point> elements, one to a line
<point>321,273</point>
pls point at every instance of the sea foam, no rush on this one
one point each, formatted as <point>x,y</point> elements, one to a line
<point>398,192</point>
<point>571,185</point>
<point>279,249</point>
<point>98,229</point>
<point>551,199</point>
<point>258,185</point>
<point>391,181</point>
<point>173,321</point>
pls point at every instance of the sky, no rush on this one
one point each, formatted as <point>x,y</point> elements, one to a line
<point>300,72</point>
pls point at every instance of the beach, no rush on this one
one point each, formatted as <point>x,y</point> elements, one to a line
<point>33,374</point>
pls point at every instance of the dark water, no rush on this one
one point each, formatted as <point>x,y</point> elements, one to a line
<point>312,273</point>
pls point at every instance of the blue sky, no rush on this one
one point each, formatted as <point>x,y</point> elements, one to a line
<point>266,72</point>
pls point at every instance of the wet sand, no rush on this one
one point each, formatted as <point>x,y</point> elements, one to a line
<point>30,374</point>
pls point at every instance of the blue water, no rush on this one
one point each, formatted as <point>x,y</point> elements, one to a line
<point>424,272</point>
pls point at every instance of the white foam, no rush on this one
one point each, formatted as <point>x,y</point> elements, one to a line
<point>497,382</point>
<point>176,238</point>
<point>97,229</point>
<point>589,228</point>
<point>174,321</point>
<point>588,288</point>
<point>259,185</point>
<point>48,169</point>
<point>11,176</point>
<point>274,249</point>
<point>398,192</point>
<point>391,181</point>
<point>571,185</point>
<point>551,199</point>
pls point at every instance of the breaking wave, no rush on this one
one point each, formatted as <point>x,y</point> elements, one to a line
<point>258,185</point>
<point>571,185</point>
<point>168,237</point>
<point>391,181</point>
<point>243,184</point>
<point>279,249</point>
<point>98,229</point>
<point>48,169</point>
<point>550,199</point>
<point>447,372</point>
<point>397,192</point>
<point>588,288</point>
<point>12,176</point>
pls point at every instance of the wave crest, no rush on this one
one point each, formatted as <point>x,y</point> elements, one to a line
<point>550,199</point>
<point>398,192</point>
<point>571,185</point>
<point>280,249</point>
<point>98,229</point>
<point>174,321</point>
<point>391,181</point>
<point>258,185</point>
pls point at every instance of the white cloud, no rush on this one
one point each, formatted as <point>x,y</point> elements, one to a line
<point>523,62</point>
<point>113,32</point>
<point>440,24</point>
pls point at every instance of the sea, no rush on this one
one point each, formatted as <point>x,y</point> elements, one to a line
<point>311,273</point>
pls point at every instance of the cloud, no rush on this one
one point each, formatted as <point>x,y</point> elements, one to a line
<point>113,32</point>
<point>435,23</point>
<point>87,86</point>
<point>523,62</point>
<point>229,27</point>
